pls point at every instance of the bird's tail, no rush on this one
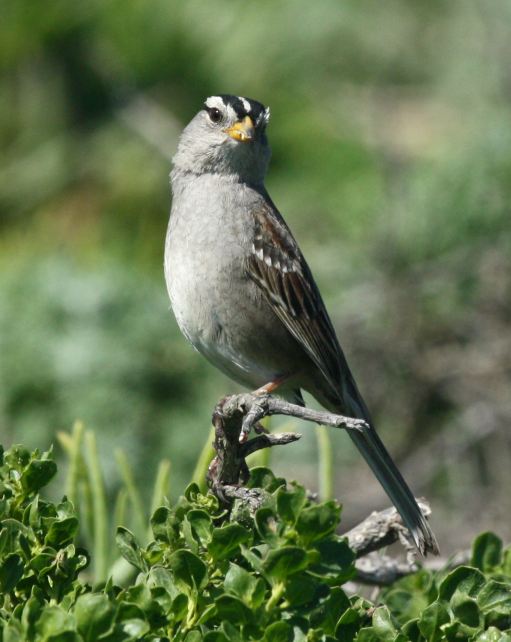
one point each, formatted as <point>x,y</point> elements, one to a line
<point>387,473</point>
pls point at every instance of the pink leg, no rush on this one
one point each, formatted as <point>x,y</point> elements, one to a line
<point>271,386</point>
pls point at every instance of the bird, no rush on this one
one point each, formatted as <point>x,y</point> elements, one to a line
<point>242,292</point>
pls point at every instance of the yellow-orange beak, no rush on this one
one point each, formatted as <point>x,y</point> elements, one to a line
<point>243,131</point>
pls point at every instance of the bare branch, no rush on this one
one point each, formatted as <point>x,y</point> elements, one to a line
<point>233,419</point>
<point>382,528</point>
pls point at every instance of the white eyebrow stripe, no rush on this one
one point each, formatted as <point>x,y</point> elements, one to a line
<point>246,104</point>
<point>215,101</point>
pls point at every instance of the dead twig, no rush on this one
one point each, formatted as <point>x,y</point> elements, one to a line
<point>235,416</point>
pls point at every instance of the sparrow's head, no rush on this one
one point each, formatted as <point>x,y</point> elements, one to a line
<point>226,137</point>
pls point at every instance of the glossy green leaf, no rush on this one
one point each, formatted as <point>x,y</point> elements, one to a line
<point>37,474</point>
<point>383,625</point>
<point>261,477</point>
<point>495,596</point>
<point>11,570</point>
<point>290,503</point>
<point>267,525</point>
<point>302,589</point>
<point>336,559</point>
<point>283,562</point>
<point>465,609</point>
<point>200,522</point>
<point>95,616</point>
<point>432,618</point>
<point>278,632</point>
<point>61,532</point>
<point>492,634</point>
<point>315,522</point>
<point>188,569</point>
<point>464,579</point>
<point>406,605</point>
<point>244,585</point>
<point>130,548</point>
<point>54,620</point>
<point>486,552</point>
<point>327,615</point>
<point>232,609</point>
<point>347,626</point>
<point>226,539</point>
<point>134,628</point>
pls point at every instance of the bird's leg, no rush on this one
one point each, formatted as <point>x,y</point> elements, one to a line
<point>267,389</point>
<point>271,386</point>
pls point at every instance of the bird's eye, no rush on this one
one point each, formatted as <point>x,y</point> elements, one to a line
<point>215,115</point>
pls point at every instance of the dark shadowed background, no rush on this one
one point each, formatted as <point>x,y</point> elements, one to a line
<point>391,135</point>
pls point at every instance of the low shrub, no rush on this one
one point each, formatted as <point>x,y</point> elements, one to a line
<point>226,576</point>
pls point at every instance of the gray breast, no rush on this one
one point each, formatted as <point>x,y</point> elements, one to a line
<point>218,308</point>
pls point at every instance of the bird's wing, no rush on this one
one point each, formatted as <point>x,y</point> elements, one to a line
<point>278,267</point>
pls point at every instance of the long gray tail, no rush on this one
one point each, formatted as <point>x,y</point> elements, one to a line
<point>387,473</point>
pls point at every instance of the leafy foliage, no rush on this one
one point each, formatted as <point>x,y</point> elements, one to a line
<point>220,576</point>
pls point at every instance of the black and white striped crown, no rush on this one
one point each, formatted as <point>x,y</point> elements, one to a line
<point>241,107</point>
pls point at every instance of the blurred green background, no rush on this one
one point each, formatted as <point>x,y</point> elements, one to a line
<point>391,136</point>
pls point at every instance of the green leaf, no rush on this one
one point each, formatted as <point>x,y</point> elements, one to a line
<point>233,610</point>
<point>189,570</point>
<point>95,615</point>
<point>11,571</point>
<point>330,610</point>
<point>290,503</point>
<point>54,620</point>
<point>134,628</point>
<point>496,597</point>
<point>465,609</point>
<point>17,457</point>
<point>192,491</point>
<point>367,634</point>
<point>215,636</point>
<point>129,548</point>
<point>383,625</point>
<point>37,474</point>
<point>406,605</point>
<point>261,477</point>
<point>225,540</point>
<point>31,613</point>
<point>266,525</point>
<point>193,636</point>
<point>278,632</point>
<point>432,619</point>
<point>486,552</point>
<point>348,625</point>
<point>242,584</point>
<point>302,589</point>
<point>411,630</point>
<point>282,562</point>
<point>464,579</point>
<point>492,634</point>
<point>201,525</point>
<point>336,559</point>
<point>315,522</point>
<point>61,532</point>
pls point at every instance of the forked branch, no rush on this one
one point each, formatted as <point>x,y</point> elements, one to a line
<point>233,419</point>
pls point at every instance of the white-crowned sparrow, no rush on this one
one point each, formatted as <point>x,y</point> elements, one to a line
<point>241,290</point>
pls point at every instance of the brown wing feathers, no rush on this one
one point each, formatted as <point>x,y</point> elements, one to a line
<point>278,267</point>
